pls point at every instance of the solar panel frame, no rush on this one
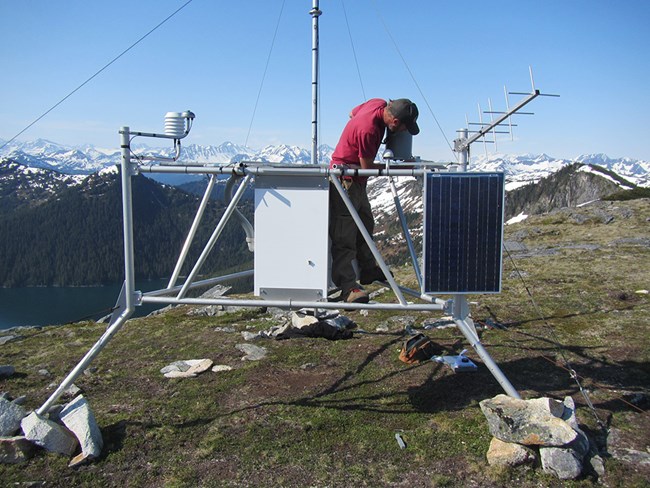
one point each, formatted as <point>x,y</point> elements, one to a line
<point>463,232</point>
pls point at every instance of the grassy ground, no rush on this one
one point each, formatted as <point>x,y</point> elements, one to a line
<point>325,413</point>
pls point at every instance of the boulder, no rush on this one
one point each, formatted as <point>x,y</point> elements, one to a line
<point>15,450</point>
<point>48,434</point>
<point>528,422</point>
<point>564,463</point>
<point>79,418</point>
<point>10,416</point>
<point>509,454</point>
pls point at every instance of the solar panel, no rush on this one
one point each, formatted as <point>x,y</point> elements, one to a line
<point>463,232</point>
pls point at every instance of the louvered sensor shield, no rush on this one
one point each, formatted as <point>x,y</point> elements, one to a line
<point>463,232</point>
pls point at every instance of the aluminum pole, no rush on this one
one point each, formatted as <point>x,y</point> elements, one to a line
<point>405,231</point>
<point>192,232</point>
<point>127,218</point>
<point>215,235</point>
<point>315,13</point>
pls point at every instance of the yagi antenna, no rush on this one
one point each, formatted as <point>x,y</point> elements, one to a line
<point>467,137</point>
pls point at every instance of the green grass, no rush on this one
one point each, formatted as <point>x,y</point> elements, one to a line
<point>325,413</point>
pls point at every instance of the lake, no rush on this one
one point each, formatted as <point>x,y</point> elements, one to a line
<point>60,305</point>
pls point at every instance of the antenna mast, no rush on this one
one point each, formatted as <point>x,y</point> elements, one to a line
<point>315,13</point>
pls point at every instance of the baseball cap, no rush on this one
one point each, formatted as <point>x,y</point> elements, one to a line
<point>407,113</point>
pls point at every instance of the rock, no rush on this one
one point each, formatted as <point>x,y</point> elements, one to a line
<point>216,291</point>
<point>221,367</point>
<point>188,368</point>
<point>80,420</point>
<point>528,422</point>
<point>378,292</point>
<point>15,450</point>
<point>300,320</point>
<point>7,370</point>
<point>19,400</point>
<point>71,391</point>
<point>48,434</point>
<point>597,465</point>
<point>563,463</point>
<point>224,329</point>
<point>10,416</point>
<point>631,456</point>
<point>252,353</point>
<point>44,372</point>
<point>79,459</point>
<point>250,336</point>
<point>509,454</point>
<point>198,366</point>
<point>8,338</point>
<point>161,311</point>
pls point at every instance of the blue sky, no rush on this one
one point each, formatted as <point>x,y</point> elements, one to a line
<point>448,57</point>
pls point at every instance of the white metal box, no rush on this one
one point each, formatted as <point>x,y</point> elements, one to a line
<point>291,237</point>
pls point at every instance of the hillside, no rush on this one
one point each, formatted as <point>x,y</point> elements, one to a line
<point>55,233</point>
<point>573,185</point>
<point>325,413</point>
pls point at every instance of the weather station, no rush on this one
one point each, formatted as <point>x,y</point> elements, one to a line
<point>462,223</point>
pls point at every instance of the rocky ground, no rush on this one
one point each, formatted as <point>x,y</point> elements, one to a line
<point>315,412</point>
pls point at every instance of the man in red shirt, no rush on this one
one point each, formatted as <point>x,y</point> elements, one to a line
<point>357,148</point>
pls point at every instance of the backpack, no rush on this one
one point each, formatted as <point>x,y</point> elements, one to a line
<point>418,348</point>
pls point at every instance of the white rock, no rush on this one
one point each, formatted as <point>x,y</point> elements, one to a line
<point>300,320</point>
<point>48,434</point>
<point>188,368</point>
<point>79,418</point>
<point>511,454</point>
<point>221,367</point>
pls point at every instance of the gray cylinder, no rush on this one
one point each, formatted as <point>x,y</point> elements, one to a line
<point>401,144</point>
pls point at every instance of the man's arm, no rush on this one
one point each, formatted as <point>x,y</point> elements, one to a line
<point>369,163</point>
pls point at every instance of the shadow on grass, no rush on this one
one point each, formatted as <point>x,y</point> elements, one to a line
<point>442,390</point>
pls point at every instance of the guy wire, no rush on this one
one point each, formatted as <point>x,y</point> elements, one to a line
<point>98,72</point>
<point>417,85</point>
<point>555,340</point>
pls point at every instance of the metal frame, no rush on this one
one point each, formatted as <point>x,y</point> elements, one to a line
<point>175,294</point>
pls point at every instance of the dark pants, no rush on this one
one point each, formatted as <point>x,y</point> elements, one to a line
<point>347,242</point>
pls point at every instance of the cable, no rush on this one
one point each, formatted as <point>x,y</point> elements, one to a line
<point>268,58</point>
<point>555,340</point>
<point>414,80</point>
<point>354,53</point>
<point>97,73</point>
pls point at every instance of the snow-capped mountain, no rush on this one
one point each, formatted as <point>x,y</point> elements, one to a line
<point>528,168</point>
<point>89,159</point>
<point>519,169</point>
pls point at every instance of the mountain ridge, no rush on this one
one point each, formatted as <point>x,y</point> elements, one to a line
<point>519,169</point>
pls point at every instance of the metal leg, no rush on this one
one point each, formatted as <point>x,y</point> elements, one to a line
<point>461,311</point>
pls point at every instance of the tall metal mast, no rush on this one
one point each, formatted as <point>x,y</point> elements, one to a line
<point>315,13</point>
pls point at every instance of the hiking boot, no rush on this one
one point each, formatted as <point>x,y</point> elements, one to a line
<point>375,274</point>
<point>355,295</point>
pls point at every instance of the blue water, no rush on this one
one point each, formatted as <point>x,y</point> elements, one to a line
<point>61,305</point>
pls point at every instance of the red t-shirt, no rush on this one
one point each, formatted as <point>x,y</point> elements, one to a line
<point>362,135</point>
